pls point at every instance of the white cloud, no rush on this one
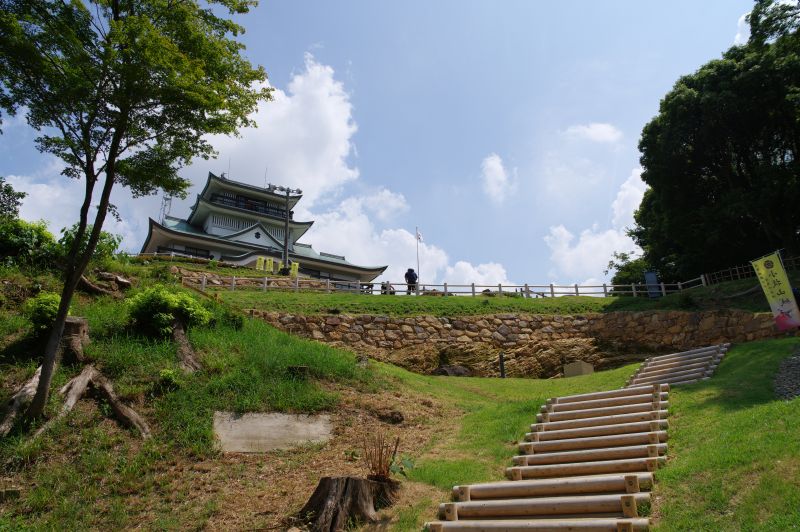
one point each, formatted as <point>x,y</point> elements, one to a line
<point>563,177</point>
<point>497,182</point>
<point>304,137</point>
<point>583,258</point>
<point>385,204</point>
<point>628,199</point>
<point>464,273</point>
<point>742,30</point>
<point>595,132</point>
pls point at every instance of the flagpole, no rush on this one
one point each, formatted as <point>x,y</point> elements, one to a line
<point>416,237</point>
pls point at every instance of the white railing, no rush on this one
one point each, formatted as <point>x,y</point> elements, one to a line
<point>297,284</point>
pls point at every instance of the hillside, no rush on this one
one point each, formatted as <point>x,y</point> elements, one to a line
<point>732,442</point>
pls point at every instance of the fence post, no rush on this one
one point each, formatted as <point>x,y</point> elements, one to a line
<point>473,289</point>
<point>203,284</point>
<point>703,279</point>
<point>605,290</point>
<point>264,288</point>
<point>416,288</point>
<point>233,282</point>
<point>680,286</point>
<point>633,289</point>
<point>328,286</point>
<point>297,283</point>
<point>663,289</point>
<point>577,293</point>
<point>527,292</point>
<point>552,291</point>
<point>445,288</point>
<point>502,365</point>
<point>499,289</point>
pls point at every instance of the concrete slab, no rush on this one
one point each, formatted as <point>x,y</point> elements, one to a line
<point>579,367</point>
<point>258,433</point>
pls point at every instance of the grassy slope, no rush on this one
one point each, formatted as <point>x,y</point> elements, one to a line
<point>700,298</point>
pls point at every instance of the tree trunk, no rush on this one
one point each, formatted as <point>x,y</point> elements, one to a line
<point>339,502</point>
<point>121,281</point>
<point>74,339</point>
<point>20,399</point>
<point>186,354</point>
<point>89,287</point>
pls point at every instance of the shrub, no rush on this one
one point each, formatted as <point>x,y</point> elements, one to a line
<point>107,245</point>
<point>153,310</point>
<point>42,310</point>
<point>26,243</point>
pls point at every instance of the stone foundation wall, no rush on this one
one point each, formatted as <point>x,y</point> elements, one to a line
<point>651,330</point>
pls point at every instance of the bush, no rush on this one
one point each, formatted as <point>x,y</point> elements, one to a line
<point>107,245</point>
<point>42,310</point>
<point>224,315</point>
<point>153,310</point>
<point>26,243</point>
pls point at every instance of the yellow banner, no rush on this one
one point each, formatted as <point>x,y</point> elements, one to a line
<point>776,286</point>
<point>295,269</point>
<point>269,264</point>
<point>259,263</point>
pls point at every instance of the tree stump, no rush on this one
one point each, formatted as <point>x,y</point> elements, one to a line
<point>74,339</point>
<point>339,502</point>
<point>186,354</point>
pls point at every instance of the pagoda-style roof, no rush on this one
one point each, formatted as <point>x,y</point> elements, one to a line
<point>238,249</point>
<point>203,208</point>
<point>270,193</point>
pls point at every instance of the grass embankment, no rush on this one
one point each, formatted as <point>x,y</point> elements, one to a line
<point>721,296</point>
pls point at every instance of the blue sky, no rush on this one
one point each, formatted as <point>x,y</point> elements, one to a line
<point>506,130</point>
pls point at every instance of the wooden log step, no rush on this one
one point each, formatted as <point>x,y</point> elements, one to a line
<point>603,420</point>
<point>620,483</point>
<point>681,357</point>
<point>677,376</point>
<point>599,403</point>
<point>600,430</point>
<point>684,367</point>
<point>592,455</point>
<point>599,524</point>
<point>666,365</point>
<point>599,412</point>
<point>691,352</point>
<point>628,465</point>
<point>595,442</point>
<point>621,392</point>
<point>541,506</point>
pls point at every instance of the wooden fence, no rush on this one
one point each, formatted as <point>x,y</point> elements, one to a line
<point>745,271</point>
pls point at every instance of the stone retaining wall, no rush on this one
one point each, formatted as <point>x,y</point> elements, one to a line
<point>531,345</point>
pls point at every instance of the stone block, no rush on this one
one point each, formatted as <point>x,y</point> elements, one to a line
<point>579,367</point>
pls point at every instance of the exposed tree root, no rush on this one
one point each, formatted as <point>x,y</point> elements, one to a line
<point>18,402</point>
<point>186,354</point>
<point>89,287</point>
<point>90,379</point>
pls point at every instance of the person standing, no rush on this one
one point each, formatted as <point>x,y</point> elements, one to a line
<point>411,281</point>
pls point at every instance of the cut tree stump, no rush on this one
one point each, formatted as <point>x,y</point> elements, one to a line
<point>113,277</point>
<point>339,502</point>
<point>186,354</point>
<point>18,402</point>
<point>74,339</point>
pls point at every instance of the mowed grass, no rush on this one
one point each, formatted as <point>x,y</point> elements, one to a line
<point>734,449</point>
<point>700,298</point>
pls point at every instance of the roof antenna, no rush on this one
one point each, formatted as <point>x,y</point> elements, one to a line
<point>229,166</point>
<point>266,169</point>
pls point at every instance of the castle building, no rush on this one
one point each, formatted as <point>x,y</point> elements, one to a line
<point>237,223</point>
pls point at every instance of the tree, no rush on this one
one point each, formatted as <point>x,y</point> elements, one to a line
<point>627,268</point>
<point>125,92</point>
<point>721,156</point>
<point>10,200</point>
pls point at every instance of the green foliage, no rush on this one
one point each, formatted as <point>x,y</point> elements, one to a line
<point>628,269</point>
<point>225,315</point>
<point>106,247</point>
<point>721,156</point>
<point>154,309</point>
<point>42,310</point>
<point>26,243</point>
<point>10,200</point>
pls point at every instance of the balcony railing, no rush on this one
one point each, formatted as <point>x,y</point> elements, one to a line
<point>250,205</point>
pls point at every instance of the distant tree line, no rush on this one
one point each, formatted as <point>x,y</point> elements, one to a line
<point>720,158</point>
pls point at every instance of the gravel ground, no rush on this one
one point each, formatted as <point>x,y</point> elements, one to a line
<point>787,381</point>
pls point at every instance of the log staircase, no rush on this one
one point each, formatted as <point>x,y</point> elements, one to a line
<point>587,465</point>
